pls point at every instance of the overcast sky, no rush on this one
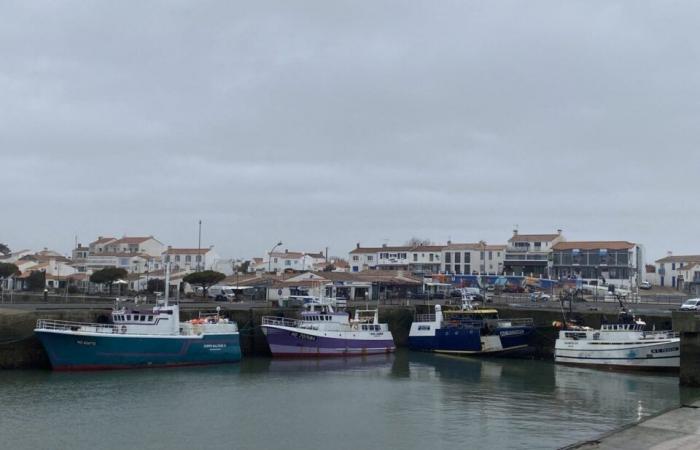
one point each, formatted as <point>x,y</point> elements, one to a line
<point>329,123</point>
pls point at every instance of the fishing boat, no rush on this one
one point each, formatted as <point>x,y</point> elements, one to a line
<point>322,331</point>
<point>140,338</point>
<point>469,331</point>
<point>625,344</point>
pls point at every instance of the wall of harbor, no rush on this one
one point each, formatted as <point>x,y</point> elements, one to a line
<point>20,349</point>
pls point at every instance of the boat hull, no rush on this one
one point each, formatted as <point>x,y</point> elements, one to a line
<point>80,351</point>
<point>470,341</point>
<point>636,356</point>
<point>290,342</point>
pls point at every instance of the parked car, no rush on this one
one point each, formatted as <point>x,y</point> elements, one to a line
<point>691,304</point>
<point>644,285</point>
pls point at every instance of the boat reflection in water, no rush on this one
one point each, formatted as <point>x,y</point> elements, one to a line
<point>329,364</point>
<point>592,388</point>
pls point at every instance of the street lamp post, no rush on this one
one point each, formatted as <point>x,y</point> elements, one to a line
<point>269,256</point>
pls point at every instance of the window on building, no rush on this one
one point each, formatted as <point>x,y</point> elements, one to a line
<point>199,258</point>
<point>431,257</point>
<point>356,258</point>
<point>467,257</point>
<point>490,255</point>
<point>448,257</point>
<point>415,257</point>
<point>370,258</point>
<point>458,257</point>
<point>482,256</point>
<point>287,263</point>
<point>188,258</point>
<point>458,268</point>
<point>673,266</point>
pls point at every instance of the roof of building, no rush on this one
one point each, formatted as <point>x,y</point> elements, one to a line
<point>285,254</point>
<point>428,248</point>
<point>102,240</point>
<point>119,255</point>
<point>130,240</point>
<point>679,259</point>
<point>474,246</point>
<point>187,251</point>
<point>593,245</point>
<point>534,237</point>
<point>316,255</point>
<point>690,266</point>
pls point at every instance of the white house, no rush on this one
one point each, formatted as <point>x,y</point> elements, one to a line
<point>296,261</point>
<point>129,244</point>
<point>468,258</point>
<point>190,259</point>
<point>669,269</point>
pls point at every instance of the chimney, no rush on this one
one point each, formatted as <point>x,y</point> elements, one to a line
<point>383,245</point>
<point>449,242</point>
<point>358,245</point>
<point>170,247</point>
<point>559,232</point>
<point>286,251</point>
<point>515,232</point>
<point>669,253</point>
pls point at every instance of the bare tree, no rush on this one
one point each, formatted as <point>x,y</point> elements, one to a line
<point>416,241</point>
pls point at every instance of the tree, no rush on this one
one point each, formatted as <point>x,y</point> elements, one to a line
<point>4,249</point>
<point>108,276</point>
<point>243,267</point>
<point>155,285</point>
<point>36,281</point>
<point>205,279</point>
<point>7,270</point>
<point>415,241</point>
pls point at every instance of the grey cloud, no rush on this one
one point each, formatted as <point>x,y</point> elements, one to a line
<point>328,123</point>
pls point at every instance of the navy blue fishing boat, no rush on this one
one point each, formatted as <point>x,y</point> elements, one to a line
<point>469,331</point>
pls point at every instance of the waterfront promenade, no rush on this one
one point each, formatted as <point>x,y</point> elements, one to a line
<point>677,429</point>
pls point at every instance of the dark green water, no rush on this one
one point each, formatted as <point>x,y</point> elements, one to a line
<point>404,401</point>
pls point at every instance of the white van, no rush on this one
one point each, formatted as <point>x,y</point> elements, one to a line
<point>222,293</point>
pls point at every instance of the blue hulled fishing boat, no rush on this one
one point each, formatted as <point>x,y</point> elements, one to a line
<point>469,331</point>
<point>140,338</point>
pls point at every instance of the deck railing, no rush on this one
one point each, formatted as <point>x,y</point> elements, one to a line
<point>64,325</point>
<point>280,321</point>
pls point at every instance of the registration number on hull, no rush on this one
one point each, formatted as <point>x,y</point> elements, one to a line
<point>304,337</point>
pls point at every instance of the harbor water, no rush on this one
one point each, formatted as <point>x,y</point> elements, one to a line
<point>408,400</point>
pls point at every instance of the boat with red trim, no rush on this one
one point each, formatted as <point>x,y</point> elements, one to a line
<point>140,338</point>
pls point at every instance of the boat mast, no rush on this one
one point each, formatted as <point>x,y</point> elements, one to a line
<point>167,283</point>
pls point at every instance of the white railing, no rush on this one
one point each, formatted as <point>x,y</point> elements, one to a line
<point>425,317</point>
<point>280,321</point>
<point>64,325</point>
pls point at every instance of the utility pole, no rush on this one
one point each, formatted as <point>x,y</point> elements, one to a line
<point>199,246</point>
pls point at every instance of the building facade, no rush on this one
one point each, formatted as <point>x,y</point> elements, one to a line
<point>473,258</point>
<point>530,254</point>
<point>617,262</point>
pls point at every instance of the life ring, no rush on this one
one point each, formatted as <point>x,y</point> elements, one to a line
<point>123,329</point>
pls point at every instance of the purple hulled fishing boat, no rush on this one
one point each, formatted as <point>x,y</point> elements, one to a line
<point>321,331</point>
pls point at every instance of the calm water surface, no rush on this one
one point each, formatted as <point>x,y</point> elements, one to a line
<point>407,401</point>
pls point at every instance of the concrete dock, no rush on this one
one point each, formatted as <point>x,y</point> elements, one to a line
<point>672,430</point>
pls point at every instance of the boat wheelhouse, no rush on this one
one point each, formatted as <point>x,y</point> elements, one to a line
<point>469,331</point>
<point>322,331</point>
